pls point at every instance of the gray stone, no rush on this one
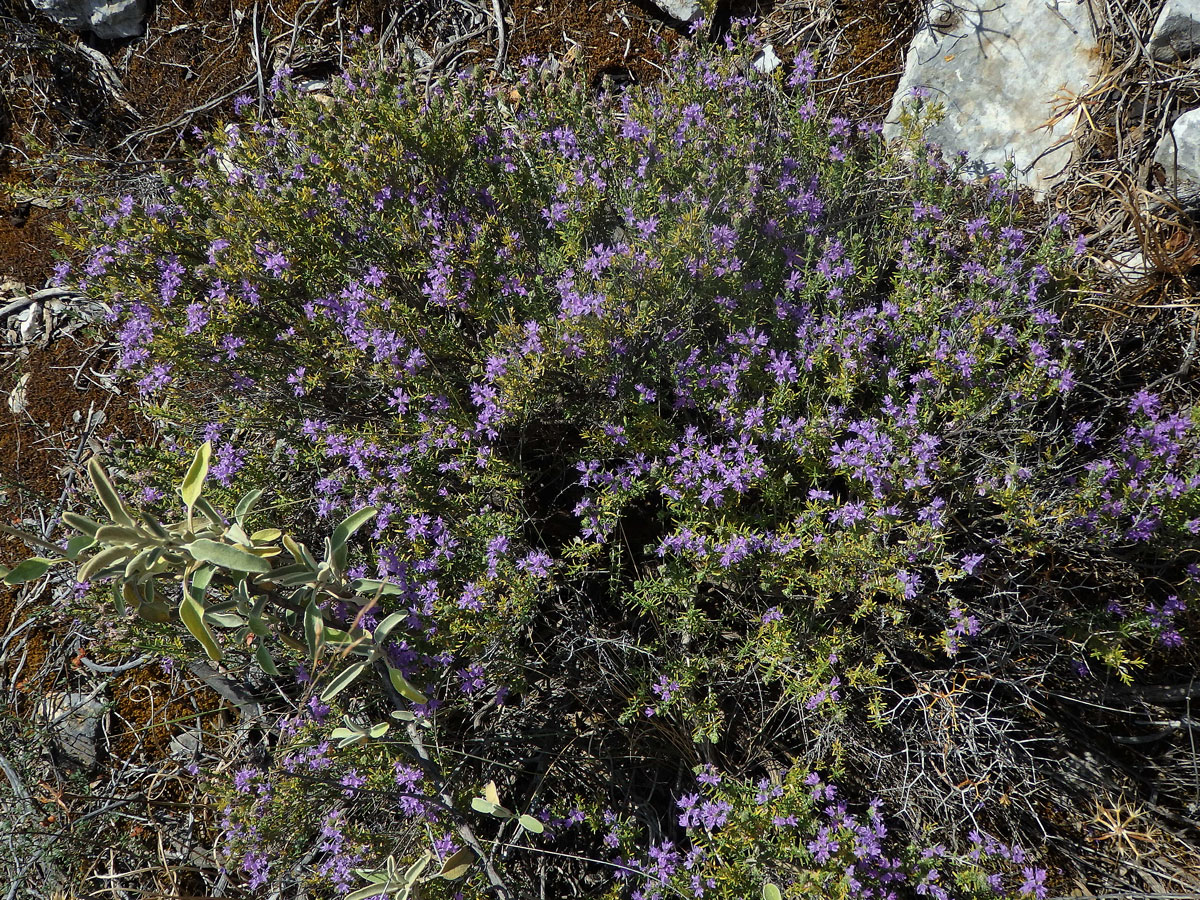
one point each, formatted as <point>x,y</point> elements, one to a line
<point>683,10</point>
<point>73,721</point>
<point>1179,154</point>
<point>1002,69</point>
<point>108,20</point>
<point>1176,32</point>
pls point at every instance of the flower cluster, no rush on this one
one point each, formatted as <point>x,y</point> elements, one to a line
<point>685,397</point>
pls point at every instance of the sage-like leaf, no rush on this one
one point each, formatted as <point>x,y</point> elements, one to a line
<point>192,614</point>
<point>201,579</point>
<point>374,890</point>
<point>457,864</point>
<point>375,588</point>
<point>263,655</point>
<point>266,535</point>
<point>193,481</point>
<point>343,680</point>
<point>416,869</point>
<point>404,687</point>
<point>82,524</point>
<point>210,512</point>
<point>245,505</point>
<point>142,561</point>
<point>314,631</point>
<point>115,535</point>
<point>108,495</point>
<point>224,619</point>
<point>155,612</point>
<point>771,892</point>
<point>480,805</point>
<point>235,533</point>
<point>78,544</point>
<point>349,525</point>
<point>227,556</point>
<point>379,730</point>
<point>105,559</point>
<point>155,526</point>
<point>29,570</point>
<point>530,824</point>
<point>384,628</point>
<point>131,595</point>
<point>299,552</point>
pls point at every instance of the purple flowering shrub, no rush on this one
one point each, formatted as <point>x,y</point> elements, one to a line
<point>701,428</point>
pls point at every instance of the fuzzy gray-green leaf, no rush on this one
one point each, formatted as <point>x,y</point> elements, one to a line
<point>530,824</point>
<point>193,481</point>
<point>108,494</point>
<point>29,570</point>
<point>404,687</point>
<point>343,680</point>
<point>192,614</point>
<point>227,556</point>
<point>245,505</point>
<point>82,524</point>
<point>78,544</point>
<point>105,559</point>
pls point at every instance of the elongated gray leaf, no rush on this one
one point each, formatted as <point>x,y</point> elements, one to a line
<point>299,552</point>
<point>384,628</point>
<point>245,505</point>
<point>108,495</point>
<point>105,559</point>
<point>457,864</point>
<point>529,823</point>
<point>29,570</point>
<point>349,525</point>
<point>82,524</point>
<point>210,512</point>
<point>227,556</point>
<point>404,687</point>
<point>374,890</point>
<point>113,535</point>
<point>343,680</point>
<point>192,614</point>
<point>225,619</point>
<point>155,526</point>
<point>193,481</point>
<point>142,562</point>
<point>314,630</point>
<point>372,587</point>
<point>78,544</point>
<point>263,655</point>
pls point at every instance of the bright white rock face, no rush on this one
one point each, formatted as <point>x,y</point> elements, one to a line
<point>1003,69</point>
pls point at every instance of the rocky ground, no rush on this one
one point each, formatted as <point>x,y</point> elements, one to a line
<point>81,114</point>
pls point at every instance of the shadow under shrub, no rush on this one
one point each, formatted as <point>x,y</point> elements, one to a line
<point>709,438</point>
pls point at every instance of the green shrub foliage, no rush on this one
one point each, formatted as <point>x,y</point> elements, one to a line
<point>712,451</point>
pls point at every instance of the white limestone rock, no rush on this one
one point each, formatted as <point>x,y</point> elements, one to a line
<point>683,10</point>
<point>1002,69</point>
<point>1176,32</point>
<point>1179,154</point>
<point>108,19</point>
